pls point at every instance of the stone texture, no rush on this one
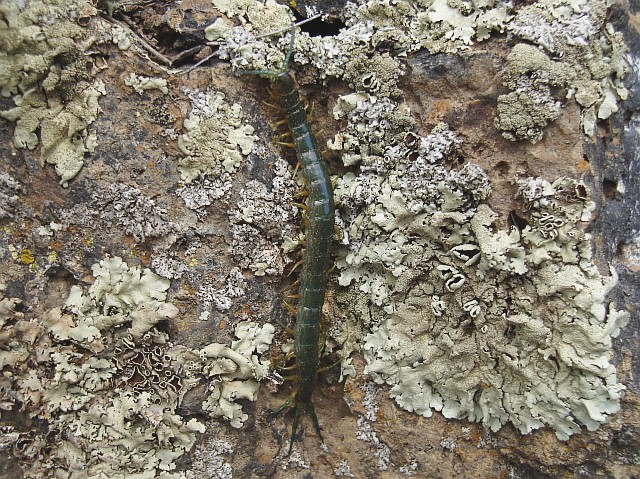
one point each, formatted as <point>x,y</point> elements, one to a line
<point>366,433</point>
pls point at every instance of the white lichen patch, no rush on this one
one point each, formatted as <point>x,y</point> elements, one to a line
<point>43,65</point>
<point>216,140</point>
<point>264,220</point>
<point>203,192</point>
<point>222,298</point>
<point>9,189</point>
<point>209,461</point>
<point>232,372</point>
<point>137,214</point>
<point>106,383</point>
<point>366,433</point>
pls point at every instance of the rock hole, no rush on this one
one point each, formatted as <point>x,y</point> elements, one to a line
<point>515,221</point>
<point>321,28</point>
<point>609,188</point>
<point>502,167</point>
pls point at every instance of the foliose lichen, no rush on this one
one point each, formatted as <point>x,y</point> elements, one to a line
<point>142,83</point>
<point>590,65</point>
<point>216,140</point>
<point>43,65</point>
<point>105,382</point>
<point>479,323</point>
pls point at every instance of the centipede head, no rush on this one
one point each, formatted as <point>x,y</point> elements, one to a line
<point>282,74</point>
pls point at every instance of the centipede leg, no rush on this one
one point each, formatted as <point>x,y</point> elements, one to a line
<point>290,308</point>
<point>284,405</point>
<point>282,143</point>
<point>295,266</point>
<point>330,366</point>
<point>314,418</point>
<point>294,428</point>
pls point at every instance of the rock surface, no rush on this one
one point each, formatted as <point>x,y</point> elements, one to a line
<point>149,222</point>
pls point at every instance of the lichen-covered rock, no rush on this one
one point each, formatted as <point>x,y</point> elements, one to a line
<point>483,324</point>
<point>216,139</point>
<point>465,282</point>
<point>100,368</point>
<point>43,53</point>
<point>591,63</point>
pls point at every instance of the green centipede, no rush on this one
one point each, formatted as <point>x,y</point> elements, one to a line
<point>316,260</point>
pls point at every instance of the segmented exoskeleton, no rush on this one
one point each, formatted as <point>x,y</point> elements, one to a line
<point>316,259</point>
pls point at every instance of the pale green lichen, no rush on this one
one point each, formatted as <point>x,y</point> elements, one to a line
<point>141,83</point>
<point>591,63</point>
<point>531,74</point>
<point>63,370</point>
<point>590,56</point>
<point>479,323</point>
<point>216,140</point>
<point>43,65</point>
<point>260,16</point>
<point>121,37</point>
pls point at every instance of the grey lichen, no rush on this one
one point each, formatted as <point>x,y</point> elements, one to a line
<point>263,222</point>
<point>216,139</point>
<point>479,323</point>
<point>63,369</point>
<point>591,63</point>
<point>221,298</point>
<point>137,214</point>
<point>203,192</point>
<point>43,60</point>
<point>9,189</point>
<point>210,460</point>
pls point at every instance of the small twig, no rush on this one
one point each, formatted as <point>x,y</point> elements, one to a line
<point>286,29</point>
<point>159,56</point>
<point>197,64</point>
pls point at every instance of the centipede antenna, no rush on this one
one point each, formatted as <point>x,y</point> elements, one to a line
<point>262,73</point>
<point>292,44</point>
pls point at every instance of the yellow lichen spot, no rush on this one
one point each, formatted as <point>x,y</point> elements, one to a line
<point>193,262</point>
<point>27,257</point>
<point>52,257</point>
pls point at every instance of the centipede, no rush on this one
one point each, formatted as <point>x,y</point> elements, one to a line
<point>316,258</point>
